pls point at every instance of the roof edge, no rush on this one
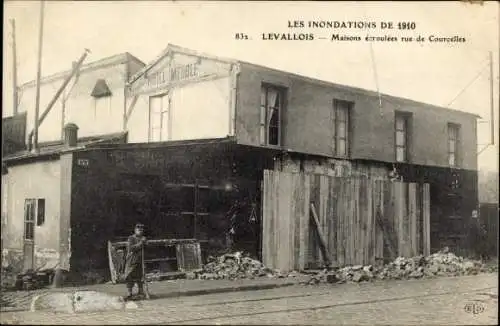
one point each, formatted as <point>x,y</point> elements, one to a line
<point>361,91</point>
<point>111,60</point>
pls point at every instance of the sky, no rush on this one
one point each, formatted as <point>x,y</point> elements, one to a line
<point>435,73</point>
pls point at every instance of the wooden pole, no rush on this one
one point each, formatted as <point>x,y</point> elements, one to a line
<point>38,75</point>
<point>59,92</point>
<point>14,68</point>
<point>492,111</point>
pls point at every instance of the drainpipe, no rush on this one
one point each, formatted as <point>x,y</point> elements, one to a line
<point>235,72</point>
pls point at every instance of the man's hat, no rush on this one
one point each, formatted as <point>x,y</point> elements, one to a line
<point>139,226</point>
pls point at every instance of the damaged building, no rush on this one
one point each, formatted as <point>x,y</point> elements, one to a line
<point>192,140</point>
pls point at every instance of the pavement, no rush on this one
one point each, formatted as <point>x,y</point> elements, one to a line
<point>465,300</point>
<point>21,300</point>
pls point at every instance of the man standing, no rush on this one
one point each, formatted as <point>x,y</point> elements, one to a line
<point>133,262</point>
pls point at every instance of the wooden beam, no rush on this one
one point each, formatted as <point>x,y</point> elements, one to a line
<point>322,240</point>
<point>129,111</point>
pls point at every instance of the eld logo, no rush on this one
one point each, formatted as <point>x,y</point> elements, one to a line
<point>474,308</point>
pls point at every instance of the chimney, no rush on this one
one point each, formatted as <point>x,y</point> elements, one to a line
<point>70,134</point>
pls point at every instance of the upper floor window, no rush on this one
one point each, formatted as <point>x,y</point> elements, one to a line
<point>272,101</point>
<point>401,129</point>
<point>453,139</point>
<point>159,118</point>
<point>341,127</point>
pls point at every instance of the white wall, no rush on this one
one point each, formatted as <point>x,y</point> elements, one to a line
<point>35,180</point>
<point>198,110</point>
<point>80,106</point>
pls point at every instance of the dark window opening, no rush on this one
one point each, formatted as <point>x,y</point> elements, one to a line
<point>100,89</point>
<point>40,214</point>
<point>271,107</point>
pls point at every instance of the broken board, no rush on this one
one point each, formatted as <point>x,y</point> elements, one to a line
<point>187,256</point>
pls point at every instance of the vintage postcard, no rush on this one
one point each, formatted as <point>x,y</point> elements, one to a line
<point>250,162</point>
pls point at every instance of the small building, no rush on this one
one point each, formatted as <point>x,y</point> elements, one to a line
<point>200,131</point>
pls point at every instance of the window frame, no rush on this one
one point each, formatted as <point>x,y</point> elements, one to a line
<point>29,219</point>
<point>164,112</point>
<point>264,122</point>
<point>338,106</point>
<point>456,148</point>
<point>406,117</point>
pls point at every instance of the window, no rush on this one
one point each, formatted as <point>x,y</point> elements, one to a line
<point>29,218</point>
<point>40,213</point>
<point>341,127</point>
<point>453,139</point>
<point>401,129</point>
<point>33,208</point>
<point>271,106</point>
<point>159,119</point>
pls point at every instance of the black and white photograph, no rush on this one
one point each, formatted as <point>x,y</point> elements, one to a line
<point>250,162</point>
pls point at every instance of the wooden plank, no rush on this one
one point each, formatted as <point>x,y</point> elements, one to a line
<point>379,211</point>
<point>412,214</point>
<point>276,220</point>
<point>332,214</point>
<point>390,232</point>
<point>418,195</point>
<point>265,219</point>
<point>426,219</point>
<point>283,222</point>
<point>304,222</point>
<point>268,242</point>
<point>398,219</point>
<point>352,220</point>
<point>314,254</point>
<point>346,211</point>
<point>322,209</point>
<point>188,256</point>
<point>358,238</point>
<point>340,220</point>
<point>369,223</point>
<point>296,216</point>
<point>322,240</point>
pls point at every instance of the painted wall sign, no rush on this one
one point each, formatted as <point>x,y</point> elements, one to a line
<point>173,74</point>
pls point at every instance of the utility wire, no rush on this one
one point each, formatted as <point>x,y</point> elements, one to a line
<point>467,86</point>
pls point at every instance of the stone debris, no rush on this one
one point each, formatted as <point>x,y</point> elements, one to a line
<point>236,266</point>
<point>80,301</point>
<point>442,263</point>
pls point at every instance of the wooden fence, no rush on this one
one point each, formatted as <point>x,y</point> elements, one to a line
<point>361,220</point>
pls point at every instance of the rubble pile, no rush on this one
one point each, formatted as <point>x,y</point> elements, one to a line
<point>442,263</point>
<point>234,266</point>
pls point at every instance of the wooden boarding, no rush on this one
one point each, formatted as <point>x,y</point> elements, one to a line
<point>322,239</point>
<point>353,220</point>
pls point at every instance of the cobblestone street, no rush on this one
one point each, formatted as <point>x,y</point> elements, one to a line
<point>429,301</point>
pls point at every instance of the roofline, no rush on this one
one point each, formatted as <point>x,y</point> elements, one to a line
<point>177,48</point>
<point>56,154</point>
<point>166,144</point>
<point>107,61</point>
<point>361,91</point>
<point>391,98</point>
